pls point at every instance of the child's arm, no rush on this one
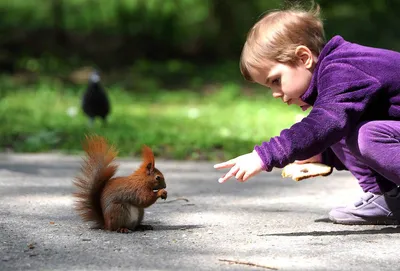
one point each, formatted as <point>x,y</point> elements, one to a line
<point>344,92</point>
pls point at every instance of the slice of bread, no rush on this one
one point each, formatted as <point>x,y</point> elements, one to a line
<point>300,172</point>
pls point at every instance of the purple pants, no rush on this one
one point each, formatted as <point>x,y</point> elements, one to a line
<point>372,155</point>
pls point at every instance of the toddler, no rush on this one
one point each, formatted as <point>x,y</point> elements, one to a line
<point>353,92</point>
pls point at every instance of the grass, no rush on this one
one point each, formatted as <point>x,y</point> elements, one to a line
<point>218,122</point>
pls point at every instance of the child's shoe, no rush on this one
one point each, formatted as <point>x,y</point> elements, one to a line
<point>371,209</point>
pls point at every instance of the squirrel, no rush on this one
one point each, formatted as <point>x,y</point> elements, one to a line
<point>116,203</point>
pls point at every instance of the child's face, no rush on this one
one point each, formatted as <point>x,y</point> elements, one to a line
<point>287,82</point>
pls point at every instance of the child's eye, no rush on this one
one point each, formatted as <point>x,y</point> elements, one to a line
<point>276,81</point>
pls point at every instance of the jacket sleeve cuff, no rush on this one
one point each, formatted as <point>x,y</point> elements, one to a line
<point>265,160</point>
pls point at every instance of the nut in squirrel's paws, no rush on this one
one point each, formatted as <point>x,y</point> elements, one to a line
<point>300,172</point>
<point>164,194</point>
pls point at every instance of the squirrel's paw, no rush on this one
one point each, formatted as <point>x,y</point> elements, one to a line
<point>123,230</point>
<point>164,194</point>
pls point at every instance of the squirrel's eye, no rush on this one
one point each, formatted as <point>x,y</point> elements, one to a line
<point>158,178</point>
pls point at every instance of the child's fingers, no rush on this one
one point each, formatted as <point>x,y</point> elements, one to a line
<point>239,175</point>
<point>226,164</point>
<point>300,162</point>
<point>246,176</point>
<point>315,159</point>
<point>229,175</point>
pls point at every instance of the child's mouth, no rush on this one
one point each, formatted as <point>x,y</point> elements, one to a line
<point>304,107</point>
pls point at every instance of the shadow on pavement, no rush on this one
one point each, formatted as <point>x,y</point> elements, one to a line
<point>388,230</point>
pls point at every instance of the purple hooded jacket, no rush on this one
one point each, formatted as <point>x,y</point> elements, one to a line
<point>350,84</point>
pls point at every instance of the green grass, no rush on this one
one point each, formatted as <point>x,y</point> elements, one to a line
<point>219,122</point>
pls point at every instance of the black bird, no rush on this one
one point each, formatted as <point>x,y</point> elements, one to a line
<point>95,102</point>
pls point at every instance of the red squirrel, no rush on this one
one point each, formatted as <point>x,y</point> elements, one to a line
<point>116,203</point>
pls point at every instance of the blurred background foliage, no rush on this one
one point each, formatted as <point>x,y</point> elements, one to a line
<point>169,66</point>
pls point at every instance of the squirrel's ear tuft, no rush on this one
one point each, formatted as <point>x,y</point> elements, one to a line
<point>148,159</point>
<point>149,169</point>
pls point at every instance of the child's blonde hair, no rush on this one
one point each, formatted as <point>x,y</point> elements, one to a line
<point>276,36</point>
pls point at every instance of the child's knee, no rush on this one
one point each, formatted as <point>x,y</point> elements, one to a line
<point>367,139</point>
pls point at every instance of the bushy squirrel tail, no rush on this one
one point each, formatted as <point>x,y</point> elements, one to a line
<point>98,167</point>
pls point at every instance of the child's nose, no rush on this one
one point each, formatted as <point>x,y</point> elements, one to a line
<point>276,94</point>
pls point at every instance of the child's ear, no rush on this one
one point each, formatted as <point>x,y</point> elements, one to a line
<point>305,56</point>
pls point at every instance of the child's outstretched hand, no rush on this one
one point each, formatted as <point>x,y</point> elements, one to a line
<point>242,167</point>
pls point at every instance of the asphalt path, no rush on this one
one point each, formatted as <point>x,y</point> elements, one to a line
<point>267,223</point>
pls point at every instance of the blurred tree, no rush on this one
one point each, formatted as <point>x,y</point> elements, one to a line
<point>118,33</point>
<point>58,18</point>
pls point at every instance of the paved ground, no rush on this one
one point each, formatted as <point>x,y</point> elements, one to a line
<point>268,221</point>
